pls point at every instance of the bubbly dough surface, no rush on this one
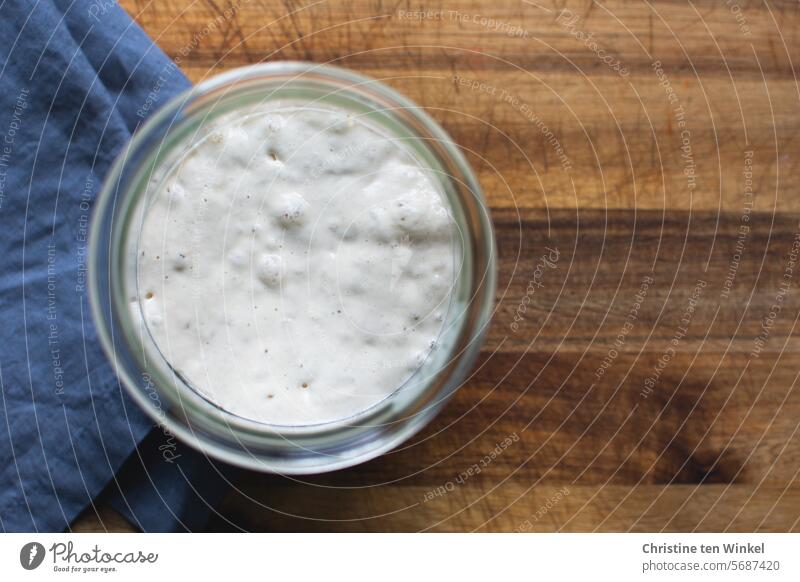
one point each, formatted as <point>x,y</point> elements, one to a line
<point>296,266</point>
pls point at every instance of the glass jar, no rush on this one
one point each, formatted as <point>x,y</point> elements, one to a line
<point>168,397</point>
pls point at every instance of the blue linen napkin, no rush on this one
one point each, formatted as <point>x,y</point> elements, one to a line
<point>76,79</point>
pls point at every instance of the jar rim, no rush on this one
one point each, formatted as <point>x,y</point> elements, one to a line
<point>254,445</point>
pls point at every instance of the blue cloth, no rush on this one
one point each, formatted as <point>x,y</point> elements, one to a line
<point>77,78</point>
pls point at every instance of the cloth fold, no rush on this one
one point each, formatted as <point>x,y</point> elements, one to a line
<point>77,78</point>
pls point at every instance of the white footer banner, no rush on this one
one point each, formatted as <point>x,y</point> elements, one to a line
<point>406,557</point>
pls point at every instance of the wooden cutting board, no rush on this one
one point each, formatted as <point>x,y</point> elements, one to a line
<point>641,378</point>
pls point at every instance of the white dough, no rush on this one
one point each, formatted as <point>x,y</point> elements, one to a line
<point>297,264</point>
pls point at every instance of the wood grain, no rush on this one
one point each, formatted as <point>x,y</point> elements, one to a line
<point>677,419</point>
